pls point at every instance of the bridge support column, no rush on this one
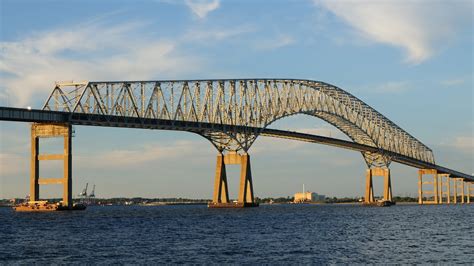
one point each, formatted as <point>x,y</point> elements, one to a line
<point>459,190</point>
<point>369,189</point>
<point>470,189</point>
<point>34,167</point>
<point>387,195</point>
<point>421,192</point>
<point>246,186</point>
<point>455,198</point>
<point>444,188</point>
<point>221,194</point>
<point>47,131</point>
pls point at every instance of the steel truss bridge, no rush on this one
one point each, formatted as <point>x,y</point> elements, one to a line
<point>231,114</point>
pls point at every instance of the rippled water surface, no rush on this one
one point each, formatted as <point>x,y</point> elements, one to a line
<point>268,234</point>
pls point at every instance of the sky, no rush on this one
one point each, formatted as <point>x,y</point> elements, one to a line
<point>410,60</point>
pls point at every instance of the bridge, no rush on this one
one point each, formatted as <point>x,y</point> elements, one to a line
<point>231,114</point>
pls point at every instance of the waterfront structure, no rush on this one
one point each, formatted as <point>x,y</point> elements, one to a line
<point>231,114</point>
<point>307,196</point>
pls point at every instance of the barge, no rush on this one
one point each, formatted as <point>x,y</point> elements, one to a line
<point>45,206</point>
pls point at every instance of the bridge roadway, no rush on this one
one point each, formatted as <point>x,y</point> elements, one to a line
<point>42,116</point>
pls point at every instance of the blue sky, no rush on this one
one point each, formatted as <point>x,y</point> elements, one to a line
<point>410,60</point>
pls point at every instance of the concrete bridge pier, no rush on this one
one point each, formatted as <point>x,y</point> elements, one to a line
<point>221,192</point>
<point>464,189</point>
<point>444,188</point>
<point>470,190</point>
<point>434,194</point>
<point>48,131</point>
<point>369,189</point>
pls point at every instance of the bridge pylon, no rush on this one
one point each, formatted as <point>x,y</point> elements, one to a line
<point>221,192</point>
<point>40,130</point>
<point>369,189</point>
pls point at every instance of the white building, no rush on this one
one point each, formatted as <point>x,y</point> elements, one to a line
<point>308,197</point>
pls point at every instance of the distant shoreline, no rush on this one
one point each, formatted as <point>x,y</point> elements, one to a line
<point>139,201</point>
<point>155,204</point>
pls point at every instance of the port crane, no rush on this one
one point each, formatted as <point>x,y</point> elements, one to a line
<point>83,194</point>
<point>92,194</point>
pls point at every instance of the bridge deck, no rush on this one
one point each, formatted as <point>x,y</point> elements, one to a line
<point>41,116</point>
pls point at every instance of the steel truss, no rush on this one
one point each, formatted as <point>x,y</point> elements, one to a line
<point>254,103</point>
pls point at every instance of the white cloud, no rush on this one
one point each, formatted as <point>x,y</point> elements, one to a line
<point>461,143</point>
<point>393,87</point>
<point>418,27</point>
<point>453,82</point>
<point>323,131</point>
<point>465,143</point>
<point>202,7</point>
<point>265,145</point>
<point>217,34</point>
<point>146,154</point>
<point>277,145</point>
<point>389,87</point>
<point>90,51</point>
<point>279,41</point>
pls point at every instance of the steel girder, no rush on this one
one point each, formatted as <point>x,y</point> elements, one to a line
<point>254,103</point>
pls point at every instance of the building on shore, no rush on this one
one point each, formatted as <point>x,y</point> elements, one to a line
<point>307,196</point>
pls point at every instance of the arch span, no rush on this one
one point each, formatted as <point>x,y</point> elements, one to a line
<point>255,103</point>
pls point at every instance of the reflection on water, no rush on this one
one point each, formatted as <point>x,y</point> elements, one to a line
<point>268,234</point>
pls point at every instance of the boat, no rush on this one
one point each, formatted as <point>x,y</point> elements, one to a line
<point>35,206</point>
<point>379,203</point>
<point>45,206</point>
<point>79,206</point>
<point>385,203</point>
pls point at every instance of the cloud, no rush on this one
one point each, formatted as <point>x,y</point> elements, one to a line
<point>202,7</point>
<point>277,145</point>
<point>146,154</point>
<point>217,34</point>
<point>279,41</point>
<point>330,132</point>
<point>465,143</point>
<point>386,87</point>
<point>453,82</point>
<point>393,87</point>
<point>265,145</point>
<point>91,51</point>
<point>456,153</point>
<point>299,150</point>
<point>417,27</point>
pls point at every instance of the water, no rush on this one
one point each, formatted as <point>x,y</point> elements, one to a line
<point>268,234</point>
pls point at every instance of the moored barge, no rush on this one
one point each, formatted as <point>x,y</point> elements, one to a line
<point>45,206</point>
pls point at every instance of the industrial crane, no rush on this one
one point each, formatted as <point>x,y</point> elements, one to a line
<point>83,194</point>
<point>92,194</point>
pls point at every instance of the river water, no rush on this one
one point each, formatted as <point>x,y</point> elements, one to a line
<point>268,234</point>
